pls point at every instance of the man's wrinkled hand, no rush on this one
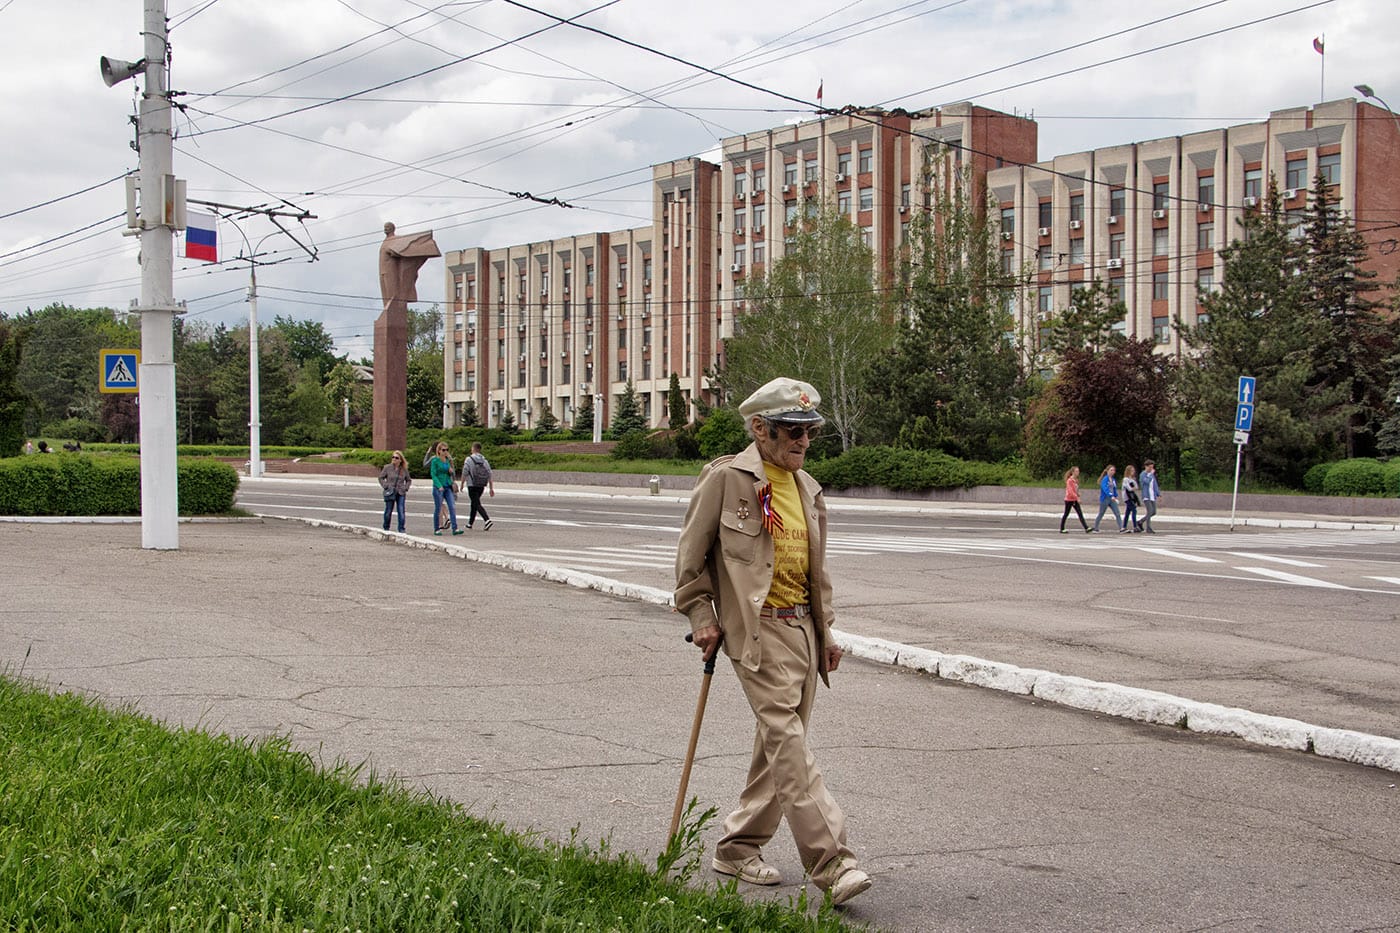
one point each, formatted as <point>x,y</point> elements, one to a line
<point>707,639</point>
<point>833,657</point>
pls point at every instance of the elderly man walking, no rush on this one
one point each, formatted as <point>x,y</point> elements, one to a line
<point>751,575</point>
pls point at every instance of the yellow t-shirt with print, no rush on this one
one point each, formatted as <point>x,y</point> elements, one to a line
<point>790,551</point>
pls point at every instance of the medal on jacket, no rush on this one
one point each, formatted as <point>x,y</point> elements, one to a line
<point>772,521</point>
<point>743,510</point>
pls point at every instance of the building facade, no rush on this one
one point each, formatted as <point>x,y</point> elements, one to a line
<point>545,325</point>
<point>1149,219</point>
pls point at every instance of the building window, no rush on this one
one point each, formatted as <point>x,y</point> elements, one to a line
<point>457,321</point>
<point>1008,220</point>
<point>790,174</point>
<point>646,272</point>
<point>621,370</point>
<point>1008,262</point>
<point>868,235</point>
<point>758,220</point>
<point>758,253</point>
<point>867,161</point>
<point>739,256</point>
<point>1330,168</point>
<point>621,338</point>
<point>790,213</point>
<point>471,350</point>
<point>1076,207</point>
<point>1161,190</point>
<point>904,192</point>
<point>1295,219</point>
<point>1118,202</point>
<point>1159,242</point>
<point>843,201</point>
<point>809,170</point>
<point>843,163</point>
<point>740,183</point>
<point>1044,259</point>
<point>588,274</point>
<point>1115,290</point>
<point>867,198</point>
<point>1253,182</point>
<point>1295,173</point>
<point>1205,237</point>
<point>1115,245</point>
<point>1045,213</point>
<point>760,180</point>
<point>1045,300</point>
<point>739,218</point>
<point>1205,282</point>
<point>1159,286</point>
<point>1205,189</point>
<point>1076,251</point>
<point>1161,329</point>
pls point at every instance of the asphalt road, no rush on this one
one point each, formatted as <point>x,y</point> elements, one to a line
<point>1292,622</point>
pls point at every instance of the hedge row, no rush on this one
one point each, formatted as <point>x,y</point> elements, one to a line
<point>1361,476</point>
<point>76,484</point>
<point>901,469</point>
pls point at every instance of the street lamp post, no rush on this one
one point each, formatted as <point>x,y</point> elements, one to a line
<point>1365,91</point>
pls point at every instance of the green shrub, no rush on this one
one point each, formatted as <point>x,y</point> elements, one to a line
<point>1359,477</point>
<point>76,484</point>
<point>722,433</point>
<point>634,445</point>
<point>1392,477</point>
<point>74,429</point>
<point>897,469</point>
<point>1313,479</point>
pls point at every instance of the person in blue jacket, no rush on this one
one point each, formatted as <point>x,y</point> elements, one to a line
<point>1108,497</point>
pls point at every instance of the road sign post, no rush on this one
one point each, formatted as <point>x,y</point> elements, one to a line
<point>1244,422</point>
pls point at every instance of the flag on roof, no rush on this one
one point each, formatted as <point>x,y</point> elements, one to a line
<point>202,238</point>
<point>1318,46</point>
<point>820,85</point>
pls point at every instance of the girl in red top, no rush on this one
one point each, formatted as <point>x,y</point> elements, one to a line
<point>1072,499</point>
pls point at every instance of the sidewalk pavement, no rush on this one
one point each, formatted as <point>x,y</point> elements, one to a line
<point>550,707</point>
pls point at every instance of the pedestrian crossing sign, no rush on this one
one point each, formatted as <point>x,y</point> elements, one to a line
<point>119,369</point>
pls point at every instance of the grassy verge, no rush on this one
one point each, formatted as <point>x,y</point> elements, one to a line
<point>110,821</point>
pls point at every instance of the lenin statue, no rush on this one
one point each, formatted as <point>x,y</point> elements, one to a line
<point>400,258</point>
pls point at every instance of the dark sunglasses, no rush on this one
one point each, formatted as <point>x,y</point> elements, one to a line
<point>796,432</point>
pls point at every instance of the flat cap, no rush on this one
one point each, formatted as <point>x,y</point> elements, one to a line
<point>784,399</point>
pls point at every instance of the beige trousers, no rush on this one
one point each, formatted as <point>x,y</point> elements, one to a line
<point>783,777</point>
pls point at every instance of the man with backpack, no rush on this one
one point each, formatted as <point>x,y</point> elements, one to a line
<point>476,473</point>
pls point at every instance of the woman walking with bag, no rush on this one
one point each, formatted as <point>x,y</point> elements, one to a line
<point>1072,499</point>
<point>394,480</point>
<point>444,491</point>
<point>1130,500</point>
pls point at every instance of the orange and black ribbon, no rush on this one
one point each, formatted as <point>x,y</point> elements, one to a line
<point>772,521</point>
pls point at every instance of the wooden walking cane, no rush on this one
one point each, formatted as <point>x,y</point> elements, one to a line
<point>694,734</point>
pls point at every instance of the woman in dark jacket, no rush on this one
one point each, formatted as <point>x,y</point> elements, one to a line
<point>394,480</point>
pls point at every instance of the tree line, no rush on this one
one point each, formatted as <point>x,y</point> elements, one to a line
<point>929,357</point>
<point>50,380</point>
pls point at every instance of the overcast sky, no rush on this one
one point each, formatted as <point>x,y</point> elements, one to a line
<point>568,113</point>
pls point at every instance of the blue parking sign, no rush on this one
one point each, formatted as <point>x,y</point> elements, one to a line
<point>1244,417</point>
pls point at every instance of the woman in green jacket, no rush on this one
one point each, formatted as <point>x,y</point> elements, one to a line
<point>443,488</point>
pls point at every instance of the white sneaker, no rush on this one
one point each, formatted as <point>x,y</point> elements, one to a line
<point>852,882</point>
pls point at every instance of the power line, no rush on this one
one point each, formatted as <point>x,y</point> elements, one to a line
<point>65,197</point>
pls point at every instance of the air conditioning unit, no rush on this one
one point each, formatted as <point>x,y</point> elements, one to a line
<point>1290,193</point>
<point>1251,201</point>
<point>1159,214</point>
<point>1112,220</point>
<point>1076,224</point>
<point>566,291</point>
<point>621,315</point>
<point>739,195</point>
<point>543,354</point>
<point>1115,263</point>
<point>621,285</point>
<point>583,387</point>
<point>1006,235</point>
<point>840,177</point>
<point>736,267</point>
<point>787,188</point>
<point>1044,231</point>
<point>544,291</point>
<point>904,208</point>
<point>521,328</point>
<point>522,358</point>
<point>1204,208</point>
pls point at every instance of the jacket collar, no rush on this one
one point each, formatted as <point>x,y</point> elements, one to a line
<point>750,461</point>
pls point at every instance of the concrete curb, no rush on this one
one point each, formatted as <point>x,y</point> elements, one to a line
<point>1118,700</point>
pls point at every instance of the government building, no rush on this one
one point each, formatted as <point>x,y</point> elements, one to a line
<point>545,325</point>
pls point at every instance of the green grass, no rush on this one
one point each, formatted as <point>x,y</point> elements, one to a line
<point>109,821</point>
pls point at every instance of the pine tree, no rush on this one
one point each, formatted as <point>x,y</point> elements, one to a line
<point>675,404</point>
<point>628,417</point>
<point>13,402</point>
<point>546,423</point>
<point>583,418</point>
<point>953,379</point>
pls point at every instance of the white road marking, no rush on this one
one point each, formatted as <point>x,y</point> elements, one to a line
<point>1169,553</point>
<point>1395,580</point>
<point>1294,578</point>
<point>1174,615</point>
<point>1278,560</point>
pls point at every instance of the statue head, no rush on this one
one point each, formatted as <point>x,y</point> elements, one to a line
<point>388,229</point>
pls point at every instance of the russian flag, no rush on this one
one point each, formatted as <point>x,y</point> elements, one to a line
<point>201,238</point>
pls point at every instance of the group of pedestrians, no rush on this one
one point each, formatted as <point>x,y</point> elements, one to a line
<point>1135,491</point>
<point>475,478</point>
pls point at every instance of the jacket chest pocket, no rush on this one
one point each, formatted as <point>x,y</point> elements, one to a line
<point>738,537</point>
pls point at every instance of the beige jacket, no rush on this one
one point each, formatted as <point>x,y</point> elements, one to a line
<point>724,562</point>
